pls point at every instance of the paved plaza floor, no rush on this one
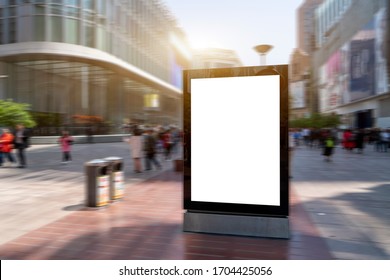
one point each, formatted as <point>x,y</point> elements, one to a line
<point>338,210</point>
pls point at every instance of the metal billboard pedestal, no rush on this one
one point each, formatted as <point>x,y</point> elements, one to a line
<point>257,226</point>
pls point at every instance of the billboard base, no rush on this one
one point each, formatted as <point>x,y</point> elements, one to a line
<point>231,224</point>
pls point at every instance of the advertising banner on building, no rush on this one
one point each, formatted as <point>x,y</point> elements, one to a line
<point>297,92</point>
<point>380,51</point>
<point>362,63</point>
<point>333,85</point>
<point>151,101</point>
<point>358,69</point>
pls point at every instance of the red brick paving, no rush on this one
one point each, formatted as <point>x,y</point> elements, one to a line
<point>147,224</point>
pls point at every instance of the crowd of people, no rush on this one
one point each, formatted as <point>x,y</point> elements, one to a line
<point>348,139</point>
<point>16,140</point>
<point>145,143</point>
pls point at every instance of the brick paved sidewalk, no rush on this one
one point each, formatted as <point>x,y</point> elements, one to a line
<point>147,224</point>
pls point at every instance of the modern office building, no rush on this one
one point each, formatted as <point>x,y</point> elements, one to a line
<point>99,62</point>
<point>351,62</point>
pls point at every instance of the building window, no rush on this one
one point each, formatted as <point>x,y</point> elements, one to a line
<point>1,32</point>
<point>11,12</point>
<point>56,10</point>
<point>12,30</point>
<point>71,31</point>
<point>71,3</point>
<point>101,39</point>
<point>56,29</point>
<point>39,9</point>
<point>71,12</point>
<point>100,7</point>
<point>88,4</point>
<point>89,35</point>
<point>39,28</point>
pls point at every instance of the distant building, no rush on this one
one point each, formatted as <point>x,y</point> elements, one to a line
<point>306,25</point>
<point>215,58</point>
<point>99,62</point>
<point>303,102</point>
<point>351,62</point>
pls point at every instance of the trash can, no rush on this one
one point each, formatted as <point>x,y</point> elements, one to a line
<point>97,182</point>
<point>116,177</point>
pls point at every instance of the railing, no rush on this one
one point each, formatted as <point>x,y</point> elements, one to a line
<point>74,130</point>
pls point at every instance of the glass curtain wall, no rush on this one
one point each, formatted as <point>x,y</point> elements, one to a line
<point>74,94</point>
<point>135,31</point>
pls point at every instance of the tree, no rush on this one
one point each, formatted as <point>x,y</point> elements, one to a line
<point>317,121</point>
<point>12,113</point>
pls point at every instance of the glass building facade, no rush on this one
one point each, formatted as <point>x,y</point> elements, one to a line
<point>100,61</point>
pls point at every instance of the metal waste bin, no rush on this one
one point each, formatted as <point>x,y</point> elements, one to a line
<point>116,177</point>
<point>97,182</point>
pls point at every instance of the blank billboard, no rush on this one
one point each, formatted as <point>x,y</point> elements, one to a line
<point>237,147</point>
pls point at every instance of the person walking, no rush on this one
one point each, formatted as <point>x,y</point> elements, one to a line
<point>306,136</point>
<point>6,146</point>
<point>135,142</point>
<point>21,142</point>
<point>89,134</point>
<point>385,140</point>
<point>359,140</point>
<point>167,143</point>
<point>66,141</point>
<point>376,139</point>
<point>150,150</point>
<point>328,147</point>
<point>348,140</point>
<point>291,147</point>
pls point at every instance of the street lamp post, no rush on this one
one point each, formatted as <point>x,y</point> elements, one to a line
<point>263,50</point>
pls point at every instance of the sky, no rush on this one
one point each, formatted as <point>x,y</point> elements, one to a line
<point>240,25</point>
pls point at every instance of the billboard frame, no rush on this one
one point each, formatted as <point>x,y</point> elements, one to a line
<point>281,210</point>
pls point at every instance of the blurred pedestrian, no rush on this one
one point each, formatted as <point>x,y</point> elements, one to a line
<point>167,143</point>
<point>384,140</point>
<point>297,137</point>
<point>348,140</point>
<point>359,140</point>
<point>135,142</point>
<point>66,141</point>
<point>291,147</point>
<point>372,136</point>
<point>328,147</point>
<point>6,146</point>
<point>175,140</point>
<point>21,142</point>
<point>150,145</point>
<point>89,134</point>
<point>376,139</point>
<point>306,136</point>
